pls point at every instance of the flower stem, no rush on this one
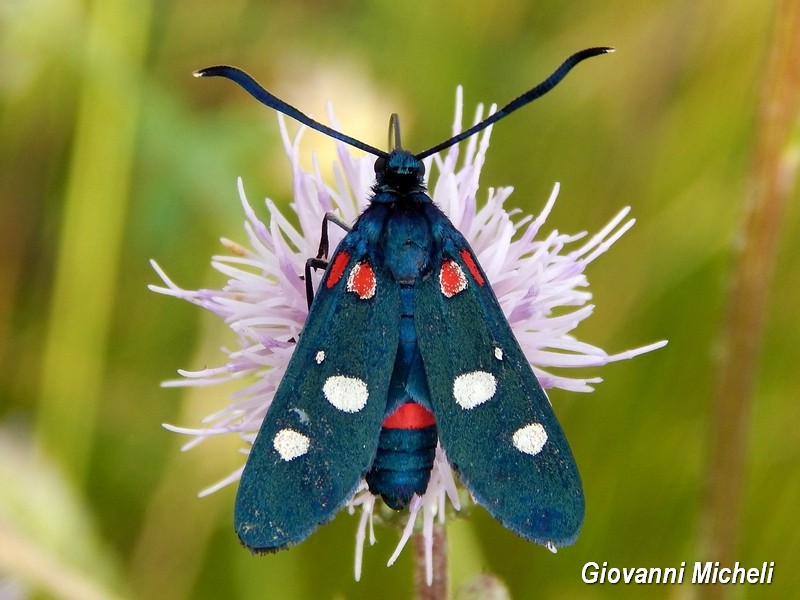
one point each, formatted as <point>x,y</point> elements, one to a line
<point>771,179</point>
<point>437,590</point>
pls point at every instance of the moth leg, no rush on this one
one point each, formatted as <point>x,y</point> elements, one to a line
<point>330,217</point>
<point>312,263</point>
<point>321,262</point>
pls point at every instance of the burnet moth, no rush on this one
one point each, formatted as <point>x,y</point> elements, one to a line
<point>405,346</point>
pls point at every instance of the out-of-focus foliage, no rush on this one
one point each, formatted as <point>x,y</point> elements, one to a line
<point>112,154</point>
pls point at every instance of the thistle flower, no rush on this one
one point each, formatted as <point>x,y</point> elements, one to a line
<point>538,279</point>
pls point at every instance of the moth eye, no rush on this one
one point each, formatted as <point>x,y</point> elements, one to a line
<point>380,164</point>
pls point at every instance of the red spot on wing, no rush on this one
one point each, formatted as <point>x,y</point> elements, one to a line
<point>362,281</point>
<point>337,269</point>
<point>451,278</point>
<point>410,416</point>
<point>472,266</point>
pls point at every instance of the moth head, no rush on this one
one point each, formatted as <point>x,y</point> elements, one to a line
<point>399,171</point>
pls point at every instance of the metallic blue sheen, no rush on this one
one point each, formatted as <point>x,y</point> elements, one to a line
<point>407,343</point>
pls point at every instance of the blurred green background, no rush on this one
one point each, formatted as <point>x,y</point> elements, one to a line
<point>113,154</point>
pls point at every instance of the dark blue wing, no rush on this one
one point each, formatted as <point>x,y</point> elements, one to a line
<point>320,434</point>
<point>495,421</point>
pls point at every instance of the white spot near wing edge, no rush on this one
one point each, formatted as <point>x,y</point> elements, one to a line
<point>530,439</point>
<point>348,394</point>
<point>290,444</point>
<point>474,388</point>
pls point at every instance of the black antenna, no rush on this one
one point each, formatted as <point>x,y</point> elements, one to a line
<point>255,89</point>
<point>529,96</point>
<point>251,86</point>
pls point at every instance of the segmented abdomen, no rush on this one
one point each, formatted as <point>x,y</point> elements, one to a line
<point>406,449</point>
<point>408,438</point>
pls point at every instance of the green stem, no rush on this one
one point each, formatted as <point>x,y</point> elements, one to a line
<point>771,180</point>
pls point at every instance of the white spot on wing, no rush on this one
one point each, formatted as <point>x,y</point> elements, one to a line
<point>498,353</point>
<point>348,394</point>
<point>320,357</point>
<point>530,439</point>
<point>473,389</point>
<point>290,444</point>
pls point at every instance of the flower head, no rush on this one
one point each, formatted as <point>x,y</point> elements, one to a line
<point>538,279</point>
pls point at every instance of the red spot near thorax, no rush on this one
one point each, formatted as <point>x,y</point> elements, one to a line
<point>362,281</point>
<point>337,269</point>
<point>410,416</point>
<point>451,278</point>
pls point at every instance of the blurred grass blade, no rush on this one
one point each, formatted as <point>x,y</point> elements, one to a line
<point>773,172</point>
<point>96,202</point>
